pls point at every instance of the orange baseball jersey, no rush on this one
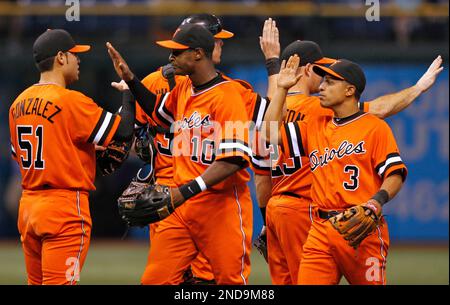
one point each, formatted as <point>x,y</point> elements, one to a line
<point>256,107</point>
<point>208,125</point>
<point>291,175</point>
<point>158,84</point>
<point>349,158</point>
<point>53,132</point>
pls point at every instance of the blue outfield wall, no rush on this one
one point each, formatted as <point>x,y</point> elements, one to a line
<point>420,210</point>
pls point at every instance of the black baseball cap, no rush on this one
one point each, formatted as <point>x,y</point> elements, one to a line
<point>308,51</point>
<point>211,22</point>
<point>190,36</point>
<point>51,42</point>
<point>344,69</point>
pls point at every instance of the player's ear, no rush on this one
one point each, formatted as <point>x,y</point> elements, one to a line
<point>60,58</point>
<point>350,91</point>
<point>308,69</point>
<point>199,54</point>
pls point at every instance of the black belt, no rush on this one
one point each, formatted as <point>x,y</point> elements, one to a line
<point>327,214</point>
<point>291,194</point>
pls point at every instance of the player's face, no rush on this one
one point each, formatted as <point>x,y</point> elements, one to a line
<point>71,67</point>
<point>217,52</point>
<point>332,92</point>
<point>183,61</point>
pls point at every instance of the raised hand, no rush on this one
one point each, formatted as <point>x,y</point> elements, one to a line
<point>288,76</point>
<point>270,40</point>
<point>121,67</point>
<point>122,86</point>
<point>428,78</point>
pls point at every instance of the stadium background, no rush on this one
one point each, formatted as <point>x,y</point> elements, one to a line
<point>394,51</point>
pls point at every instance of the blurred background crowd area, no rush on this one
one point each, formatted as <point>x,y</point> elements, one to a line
<point>394,52</point>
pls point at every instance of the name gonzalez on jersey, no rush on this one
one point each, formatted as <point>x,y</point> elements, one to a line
<point>47,110</point>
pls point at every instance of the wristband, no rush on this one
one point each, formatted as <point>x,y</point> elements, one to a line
<point>263,213</point>
<point>273,66</point>
<point>382,197</point>
<point>192,188</point>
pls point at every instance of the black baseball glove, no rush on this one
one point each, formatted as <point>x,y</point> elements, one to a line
<point>144,144</point>
<point>261,243</point>
<point>142,204</point>
<point>113,156</point>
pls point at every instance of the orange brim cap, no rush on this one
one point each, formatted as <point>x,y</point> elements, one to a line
<point>328,71</point>
<point>170,44</point>
<point>80,49</point>
<point>224,34</point>
<point>325,61</point>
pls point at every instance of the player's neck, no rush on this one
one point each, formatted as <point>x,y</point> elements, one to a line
<point>52,77</point>
<point>301,87</point>
<point>345,109</point>
<point>203,75</point>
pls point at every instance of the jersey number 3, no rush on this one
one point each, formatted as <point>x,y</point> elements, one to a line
<point>353,184</point>
<point>27,146</point>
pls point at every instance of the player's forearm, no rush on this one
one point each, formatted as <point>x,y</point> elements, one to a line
<point>263,186</point>
<point>274,113</point>
<point>390,104</point>
<point>145,98</point>
<point>127,113</point>
<point>218,171</point>
<point>390,187</point>
<point>271,85</point>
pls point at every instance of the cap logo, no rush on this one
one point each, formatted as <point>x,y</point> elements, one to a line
<point>337,61</point>
<point>176,32</point>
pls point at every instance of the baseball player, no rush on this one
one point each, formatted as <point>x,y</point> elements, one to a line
<point>355,163</point>
<point>208,165</point>
<point>291,178</point>
<point>157,82</point>
<point>54,131</point>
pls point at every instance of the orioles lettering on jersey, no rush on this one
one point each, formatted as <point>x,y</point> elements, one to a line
<point>345,149</point>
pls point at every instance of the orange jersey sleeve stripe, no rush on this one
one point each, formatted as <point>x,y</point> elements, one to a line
<point>260,109</point>
<point>112,131</point>
<point>292,139</point>
<point>233,148</point>
<point>103,128</point>
<point>392,163</point>
<point>162,113</point>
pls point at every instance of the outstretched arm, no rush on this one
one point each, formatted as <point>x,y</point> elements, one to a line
<point>270,46</point>
<point>390,104</point>
<point>218,171</point>
<point>145,98</point>
<point>286,79</point>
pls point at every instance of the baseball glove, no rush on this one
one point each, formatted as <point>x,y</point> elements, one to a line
<point>144,144</point>
<point>112,157</point>
<point>141,204</point>
<point>261,243</point>
<point>355,223</point>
